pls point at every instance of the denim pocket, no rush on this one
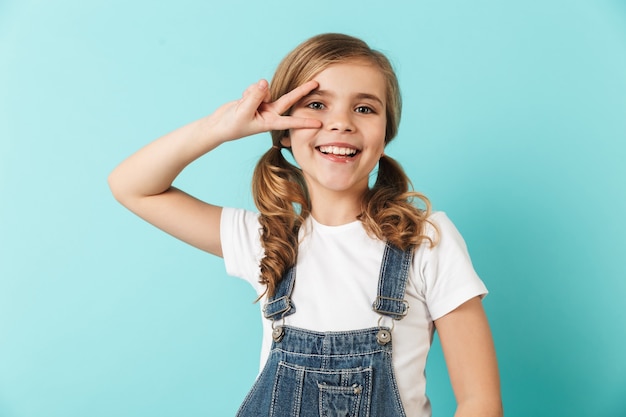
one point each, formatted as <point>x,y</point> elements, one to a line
<point>311,392</point>
<point>335,401</point>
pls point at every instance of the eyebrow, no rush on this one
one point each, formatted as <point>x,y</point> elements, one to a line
<point>360,96</point>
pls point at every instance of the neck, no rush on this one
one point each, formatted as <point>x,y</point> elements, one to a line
<point>335,209</point>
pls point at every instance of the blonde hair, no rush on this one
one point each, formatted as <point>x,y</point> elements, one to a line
<point>279,189</point>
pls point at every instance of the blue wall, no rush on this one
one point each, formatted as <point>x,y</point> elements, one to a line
<point>514,124</point>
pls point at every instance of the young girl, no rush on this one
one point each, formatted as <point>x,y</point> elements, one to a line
<point>353,279</point>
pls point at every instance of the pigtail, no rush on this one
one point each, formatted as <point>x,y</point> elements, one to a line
<point>279,193</point>
<point>389,208</point>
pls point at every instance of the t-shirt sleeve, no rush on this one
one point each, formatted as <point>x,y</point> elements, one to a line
<point>241,244</point>
<point>448,276</point>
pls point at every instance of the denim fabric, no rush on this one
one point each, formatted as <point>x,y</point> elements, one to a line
<point>332,374</point>
<point>280,305</point>
<point>311,374</point>
<point>394,272</point>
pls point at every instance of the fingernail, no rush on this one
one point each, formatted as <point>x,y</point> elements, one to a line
<point>262,84</point>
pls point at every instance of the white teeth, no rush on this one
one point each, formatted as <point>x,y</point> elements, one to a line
<point>336,150</point>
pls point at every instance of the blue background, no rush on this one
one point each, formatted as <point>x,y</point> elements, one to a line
<point>514,124</point>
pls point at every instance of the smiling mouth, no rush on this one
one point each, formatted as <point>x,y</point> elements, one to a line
<point>338,151</point>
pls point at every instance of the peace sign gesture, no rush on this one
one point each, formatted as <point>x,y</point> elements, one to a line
<point>254,113</point>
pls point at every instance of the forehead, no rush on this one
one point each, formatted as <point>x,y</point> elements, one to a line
<point>352,77</point>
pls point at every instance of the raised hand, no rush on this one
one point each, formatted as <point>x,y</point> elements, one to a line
<point>143,182</point>
<point>254,113</point>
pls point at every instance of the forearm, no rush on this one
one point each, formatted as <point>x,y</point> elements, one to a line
<point>480,408</point>
<point>471,359</point>
<point>479,397</point>
<point>152,169</point>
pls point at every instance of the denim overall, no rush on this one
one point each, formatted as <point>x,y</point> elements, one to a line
<point>332,374</point>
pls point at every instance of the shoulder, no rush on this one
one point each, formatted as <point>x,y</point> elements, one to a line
<point>239,221</point>
<point>444,272</point>
<point>232,214</point>
<point>239,227</point>
<point>448,245</point>
<point>442,230</point>
<point>241,243</point>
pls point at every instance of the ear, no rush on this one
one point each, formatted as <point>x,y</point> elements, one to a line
<point>286,141</point>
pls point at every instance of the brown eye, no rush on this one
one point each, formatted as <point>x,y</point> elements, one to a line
<point>364,109</point>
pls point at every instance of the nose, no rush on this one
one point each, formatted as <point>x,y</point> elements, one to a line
<point>340,120</point>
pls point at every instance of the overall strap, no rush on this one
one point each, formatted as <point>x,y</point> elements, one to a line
<point>394,273</point>
<point>280,304</point>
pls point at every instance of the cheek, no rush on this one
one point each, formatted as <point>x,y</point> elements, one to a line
<point>295,138</point>
<point>298,145</point>
<point>381,135</point>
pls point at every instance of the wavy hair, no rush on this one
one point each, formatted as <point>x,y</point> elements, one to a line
<point>390,209</point>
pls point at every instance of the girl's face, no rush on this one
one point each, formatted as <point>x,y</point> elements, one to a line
<point>339,156</point>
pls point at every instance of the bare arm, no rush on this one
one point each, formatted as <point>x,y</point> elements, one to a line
<point>143,182</point>
<point>471,359</point>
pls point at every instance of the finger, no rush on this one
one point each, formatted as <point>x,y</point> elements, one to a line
<point>253,97</point>
<point>285,102</point>
<point>289,122</point>
<point>268,96</point>
<point>249,90</point>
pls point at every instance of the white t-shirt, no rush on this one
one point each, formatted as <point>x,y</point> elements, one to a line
<point>337,280</point>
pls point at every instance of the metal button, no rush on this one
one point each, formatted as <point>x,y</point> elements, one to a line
<point>383,336</point>
<point>278,333</point>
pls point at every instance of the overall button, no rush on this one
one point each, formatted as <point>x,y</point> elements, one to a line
<point>383,336</point>
<point>278,333</point>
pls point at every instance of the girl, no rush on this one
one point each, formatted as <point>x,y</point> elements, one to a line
<point>353,280</point>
